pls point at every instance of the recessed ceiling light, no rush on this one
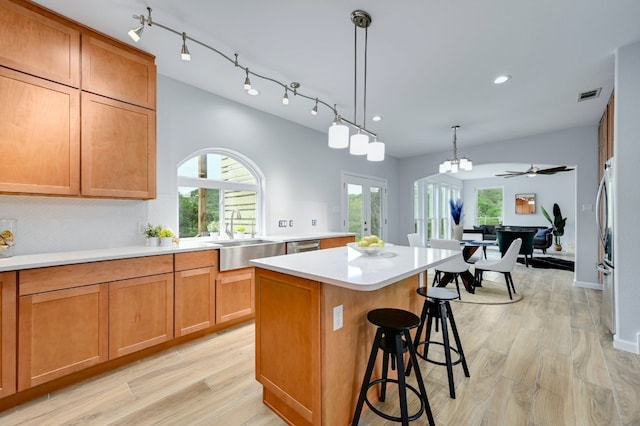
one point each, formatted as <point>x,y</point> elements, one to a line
<point>376,118</point>
<point>253,92</point>
<point>502,79</point>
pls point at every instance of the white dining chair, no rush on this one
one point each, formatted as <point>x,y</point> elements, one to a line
<point>415,240</point>
<point>454,266</point>
<point>504,265</point>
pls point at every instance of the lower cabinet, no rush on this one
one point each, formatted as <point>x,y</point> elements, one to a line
<point>140,313</point>
<point>195,291</point>
<point>7,333</point>
<point>235,294</point>
<point>327,243</point>
<point>61,332</point>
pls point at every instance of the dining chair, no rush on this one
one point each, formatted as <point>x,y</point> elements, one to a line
<point>504,265</point>
<point>454,266</point>
<point>415,240</point>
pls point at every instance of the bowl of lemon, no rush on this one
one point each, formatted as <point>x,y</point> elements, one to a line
<point>370,245</point>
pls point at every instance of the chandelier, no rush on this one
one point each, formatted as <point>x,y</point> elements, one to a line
<point>359,143</point>
<point>455,164</point>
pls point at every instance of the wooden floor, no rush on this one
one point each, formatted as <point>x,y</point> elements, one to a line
<point>542,361</point>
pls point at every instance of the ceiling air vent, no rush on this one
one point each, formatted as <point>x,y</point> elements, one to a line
<point>590,94</point>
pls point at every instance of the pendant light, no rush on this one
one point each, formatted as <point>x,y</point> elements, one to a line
<point>338,134</point>
<point>454,165</point>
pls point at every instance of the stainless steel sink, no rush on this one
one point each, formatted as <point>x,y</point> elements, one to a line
<point>235,254</point>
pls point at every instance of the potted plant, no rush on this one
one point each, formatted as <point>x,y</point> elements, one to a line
<point>152,234</point>
<point>557,224</point>
<point>166,237</point>
<point>240,231</point>
<point>456,214</point>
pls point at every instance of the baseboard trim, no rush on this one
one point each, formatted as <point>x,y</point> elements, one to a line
<point>627,345</point>
<point>585,284</point>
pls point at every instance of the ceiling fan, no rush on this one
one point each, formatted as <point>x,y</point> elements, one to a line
<point>534,171</point>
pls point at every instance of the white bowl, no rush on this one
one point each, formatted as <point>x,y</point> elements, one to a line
<point>369,251</point>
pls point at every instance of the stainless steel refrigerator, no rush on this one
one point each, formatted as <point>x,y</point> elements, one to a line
<point>606,264</point>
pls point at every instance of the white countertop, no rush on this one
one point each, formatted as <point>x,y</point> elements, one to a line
<point>345,267</point>
<point>40,260</point>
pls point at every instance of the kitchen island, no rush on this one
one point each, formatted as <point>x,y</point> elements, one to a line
<point>312,336</point>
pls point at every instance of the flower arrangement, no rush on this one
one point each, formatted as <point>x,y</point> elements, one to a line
<point>240,228</point>
<point>165,233</point>
<point>456,210</point>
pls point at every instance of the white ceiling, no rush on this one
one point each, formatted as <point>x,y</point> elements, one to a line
<point>430,64</point>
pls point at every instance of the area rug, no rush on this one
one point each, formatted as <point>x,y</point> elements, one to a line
<point>550,263</point>
<point>491,293</point>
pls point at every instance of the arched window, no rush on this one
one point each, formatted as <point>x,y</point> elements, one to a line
<point>217,189</point>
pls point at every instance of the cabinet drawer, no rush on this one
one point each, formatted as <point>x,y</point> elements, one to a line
<point>37,45</point>
<point>59,277</point>
<point>195,259</point>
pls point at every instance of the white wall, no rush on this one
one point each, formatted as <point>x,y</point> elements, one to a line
<point>559,188</point>
<point>627,197</point>
<point>568,147</point>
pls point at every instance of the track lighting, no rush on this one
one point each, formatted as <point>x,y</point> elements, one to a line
<point>184,54</point>
<point>338,132</point>
<point>247,81</point>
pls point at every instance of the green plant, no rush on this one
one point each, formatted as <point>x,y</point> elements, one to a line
<point>213,226</point>
<point>165,232</point>
<point>151,231</point>
<point>557,223</point>
<point>240,228</point>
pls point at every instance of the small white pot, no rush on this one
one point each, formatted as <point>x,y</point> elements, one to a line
<point>152,241</point>
<point>166,241</point>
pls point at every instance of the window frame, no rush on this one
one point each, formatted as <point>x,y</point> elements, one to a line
<point>209,183</point>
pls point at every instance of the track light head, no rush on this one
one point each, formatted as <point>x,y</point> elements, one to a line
<point>314,111</point>
<point>285,98</point>
<point>184,53</point>
<point>247,81</point>
<point>136,33</point>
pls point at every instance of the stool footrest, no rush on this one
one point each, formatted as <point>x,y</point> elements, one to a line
<point>387,416</point>
<point>451,348</point>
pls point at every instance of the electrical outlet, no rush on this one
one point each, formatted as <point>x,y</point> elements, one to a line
<point>314,222</point>
<point>282,223</point>
<point>291,223</point>
<point>337,317</point>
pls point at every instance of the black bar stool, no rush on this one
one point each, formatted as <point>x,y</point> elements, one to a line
<point>393,326</point>
<point>436,307</point>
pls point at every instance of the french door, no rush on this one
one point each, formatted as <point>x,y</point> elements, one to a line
<point>364,205</point>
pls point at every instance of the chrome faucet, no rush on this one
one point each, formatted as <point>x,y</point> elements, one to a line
<point>228,231</point>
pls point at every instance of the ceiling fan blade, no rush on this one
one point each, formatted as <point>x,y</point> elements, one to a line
<point>515,173</point>
<point>510,174</point>
<point>553,170</point>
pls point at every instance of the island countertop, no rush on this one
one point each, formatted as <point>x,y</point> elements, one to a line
<point>345,267</point>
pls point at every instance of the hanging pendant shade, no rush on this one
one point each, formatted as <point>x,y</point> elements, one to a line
<point>375,151</point>
<point>358,144</point>
<point>338,136</point>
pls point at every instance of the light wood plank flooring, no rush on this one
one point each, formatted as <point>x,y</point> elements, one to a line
<point>542,361</point>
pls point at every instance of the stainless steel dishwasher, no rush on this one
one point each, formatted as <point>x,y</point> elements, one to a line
<point>302,246</point>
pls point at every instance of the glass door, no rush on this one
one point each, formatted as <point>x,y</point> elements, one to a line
<point>364,206</point>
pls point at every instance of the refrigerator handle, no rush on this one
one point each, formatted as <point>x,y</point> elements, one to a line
<point>601,191</point>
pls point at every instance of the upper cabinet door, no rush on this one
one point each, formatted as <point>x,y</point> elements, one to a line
<point>118,149</point>
<point>37,45</point>
<point>40,135</point>
<point>118,73</point>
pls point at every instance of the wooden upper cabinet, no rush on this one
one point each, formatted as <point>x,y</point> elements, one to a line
<point>39,45</point>
<point>7,333</point>
<point>40,141</point>
<point>118,149</point>
<point>112,70</point>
